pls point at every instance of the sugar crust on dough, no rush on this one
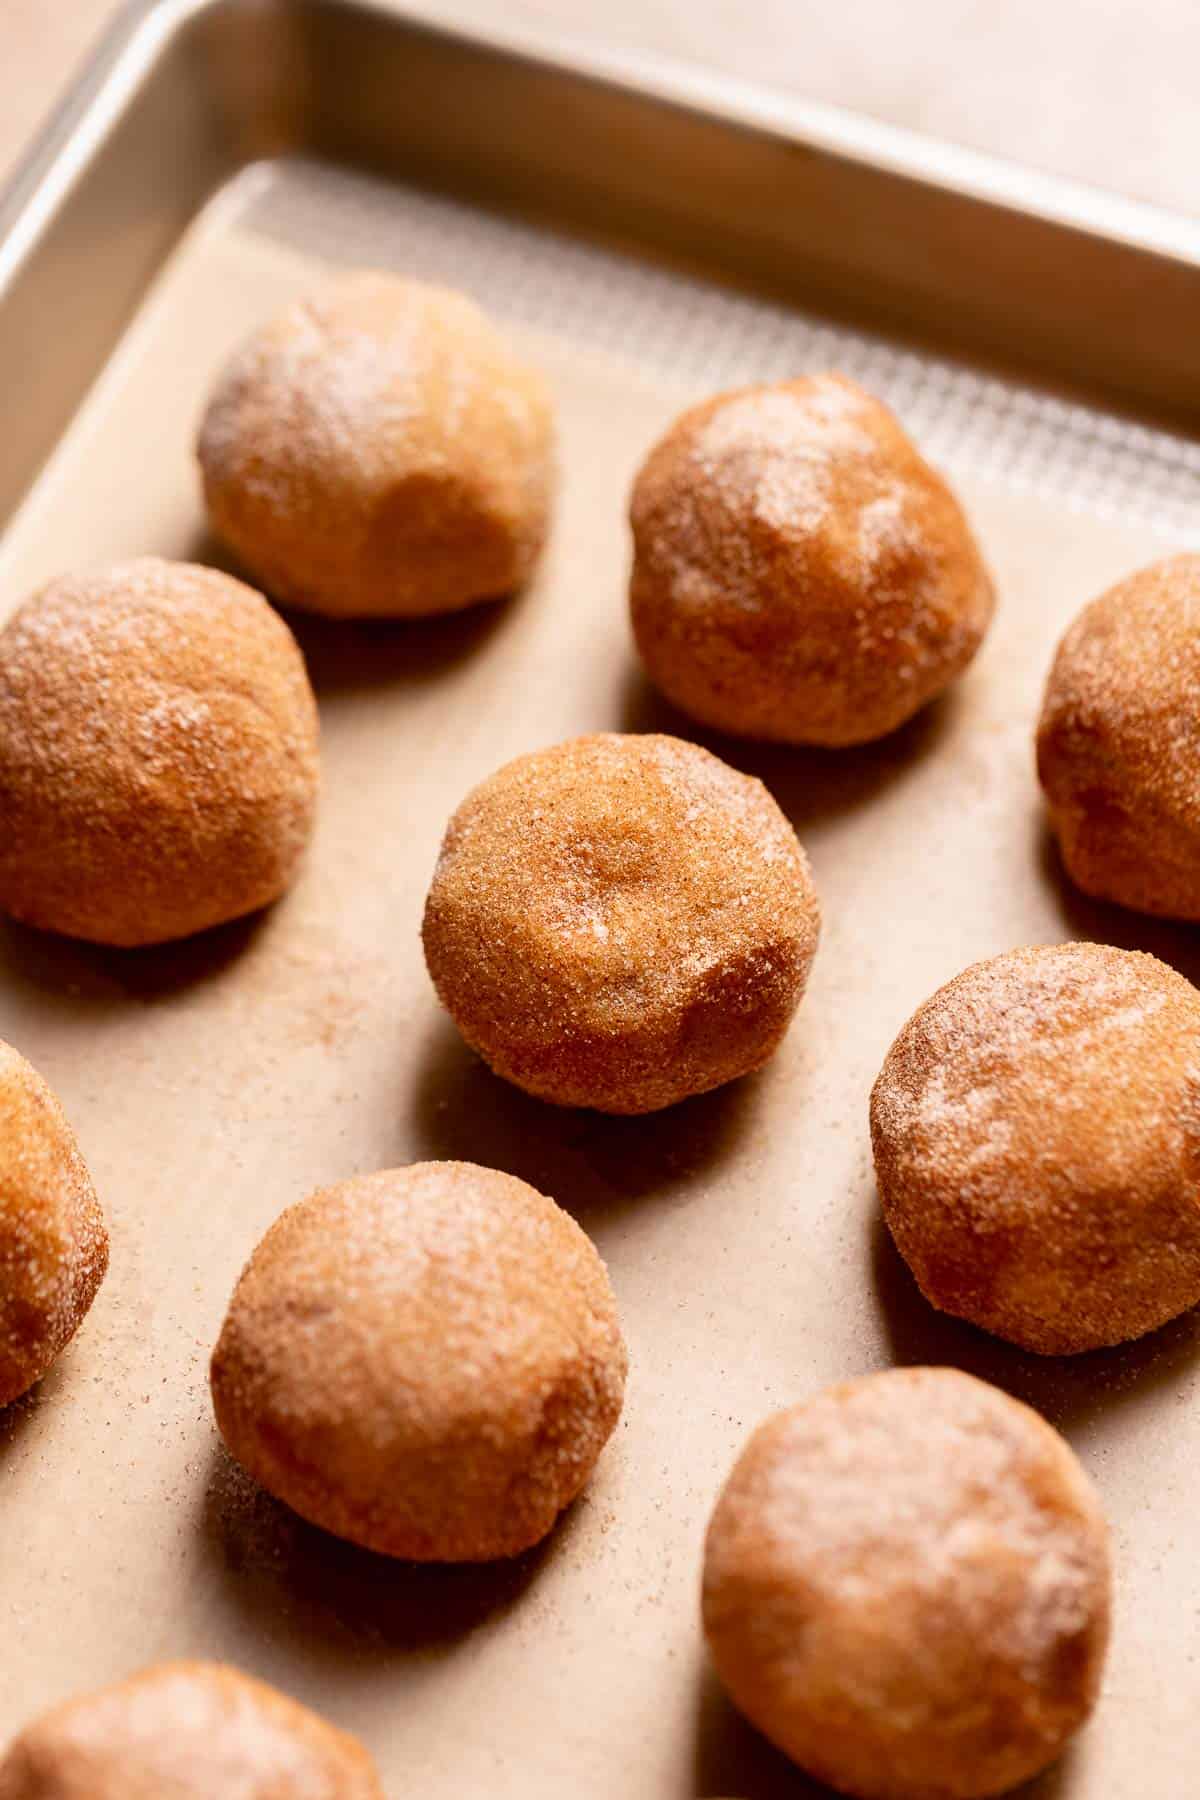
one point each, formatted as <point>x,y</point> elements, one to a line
<point>907,1587</point>
<point>621,921</point>
<point>426,1361</point>
<point>158,754</point>
<point>379,449</point>
<point>186,1731</point>
<point>1036,1129</point>
<point>800,573</point>
<point>53,1238</point>
<point>1118,742</point>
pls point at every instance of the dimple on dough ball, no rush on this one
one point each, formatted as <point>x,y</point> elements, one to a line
<point>800,572</point>
<point>53,1239</point>
<point>619,922</point>
<point>379,449</point>
<point>158,754</point>
<point>907,1587</point>
<point>1036,1128</point>
<point>1118,745</point>
<point>426,1361</point>
<point>186,1731</point>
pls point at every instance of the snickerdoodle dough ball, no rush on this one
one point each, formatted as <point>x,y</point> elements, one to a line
<point>619,922</point>
<point>379,449</point>
<point>158,754</point>
<point>800,572</point>
<point>1036,1128</point>
<point>53,1239</point>
<point>907,1587</point>
<point>426,1361</point>
<point>1118,745</point>
<point>186,1731</point>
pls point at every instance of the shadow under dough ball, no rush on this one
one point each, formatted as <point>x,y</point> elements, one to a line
<point>191,1731</point>
<point>426,1361</point>
<point>907,1587</point>
<point>53,1239</point>
<point>158,754</point>
<point>1036,1128</point>
<point>800,573</point>
<point>1118,747</point>
<point>379,450</point>
<point>619,922</point>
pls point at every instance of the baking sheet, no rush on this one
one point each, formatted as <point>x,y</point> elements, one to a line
<point>213,1083</point>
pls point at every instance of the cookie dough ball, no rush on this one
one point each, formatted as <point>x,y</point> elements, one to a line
<point>1118,745</point>
<point>53,1240</point>
<point>425,1361</point>
<point>158,754</point>
<point>380,450</point>
<point>907,1587</point>
<point>800,573</point>
<point>186,1731</point>
<point>619,922</point>
<point>1036,1128</point>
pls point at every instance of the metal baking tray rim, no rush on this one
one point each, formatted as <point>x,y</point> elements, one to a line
<point>126,51</point>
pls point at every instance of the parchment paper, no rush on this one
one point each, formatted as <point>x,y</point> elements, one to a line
<point>213,1083</point>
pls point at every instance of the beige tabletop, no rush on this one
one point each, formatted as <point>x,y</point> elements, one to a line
<point>1096,89</point>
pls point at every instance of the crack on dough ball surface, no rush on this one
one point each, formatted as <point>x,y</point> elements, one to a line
<point>426,1361</point>
<point>907,1587</point>
<point>158,754</point>
<point>621,921</point>
<point>379,450</point>
<point>53,1238</point>
<point>800,573</point>
<point>1036,1129</point>
<point>186,1731</point>
<point>1118,743</point>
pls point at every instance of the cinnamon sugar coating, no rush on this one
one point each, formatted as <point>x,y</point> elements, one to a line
<point>158,754</point>
<point>186,1731</point>
<point>53,1239</point>
<point>619,922</point>
<point>1036,1129</point>
<point>1118,744</point>
<point>800,573</point>
<point>426,1361</point>
<point>907,1587</point>
<point>378,449</point>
